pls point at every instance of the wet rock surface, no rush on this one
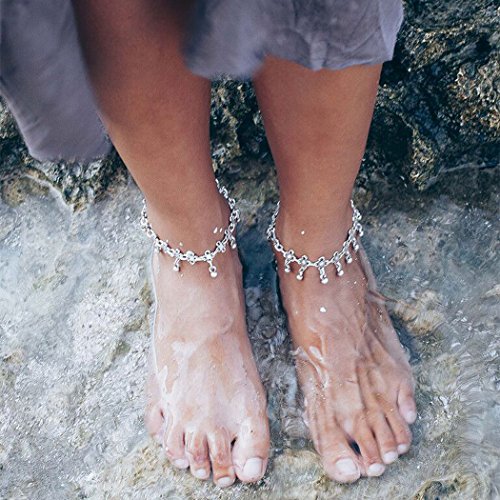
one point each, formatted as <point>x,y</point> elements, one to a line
<point>75,304</point>
<point>75,299</point>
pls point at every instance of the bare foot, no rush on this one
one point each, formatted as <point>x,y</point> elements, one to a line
<point>353,371</point>
<point>207,404</point>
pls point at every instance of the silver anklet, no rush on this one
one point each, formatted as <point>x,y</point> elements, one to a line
<point>192,258</point>
<point>320,264</point>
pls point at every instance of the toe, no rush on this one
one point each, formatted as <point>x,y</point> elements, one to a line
<point>338,458</point>
<point>219,445</point>
<point>153,420</point>
<point>385,438</point>
<point>173,443</point>
<point>250,452</point>
<point>197,454</point>
<point>368,448</point>
<point>341,466</point>
<point>406,402</point>
<point>400,430</point>
<point>153,417</point>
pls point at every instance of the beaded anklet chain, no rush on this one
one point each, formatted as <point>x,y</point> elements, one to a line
<point>320,264</point>
<point>191,257</point>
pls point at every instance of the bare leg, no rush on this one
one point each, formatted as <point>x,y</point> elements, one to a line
<point>207,402</point>
<point>353,372</point>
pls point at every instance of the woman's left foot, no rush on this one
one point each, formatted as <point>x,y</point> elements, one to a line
<point>354,374</point>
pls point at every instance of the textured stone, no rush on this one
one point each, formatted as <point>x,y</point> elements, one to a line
<point>437,111</point>
<point>75,299</point>
<point>75,303</point>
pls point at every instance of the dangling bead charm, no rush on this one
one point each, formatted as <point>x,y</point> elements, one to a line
<point>322,275</point>
<point>232,241</point>
<point>177,265</point>
<point>157,245</point>
<point>300,274</point>
<point>212,270</point>
<point>288,260</point>
<point>348,257</point>
<point>338,266</point>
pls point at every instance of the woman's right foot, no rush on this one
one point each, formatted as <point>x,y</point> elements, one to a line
<point>207,405</point>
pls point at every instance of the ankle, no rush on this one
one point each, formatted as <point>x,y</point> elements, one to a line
<point>195,228</point>
<point>315,232</point>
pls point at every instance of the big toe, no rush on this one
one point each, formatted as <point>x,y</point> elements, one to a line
<point>343,468</point>
<point>339,459</point>
<point>251,451</point>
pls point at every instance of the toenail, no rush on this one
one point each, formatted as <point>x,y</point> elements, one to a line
<point>253,468</point>
<point>411,416</point>
<point>376,470</point>
<point>390,456</point>
<point>223,482</point>
<point>347,467</point>
<point>402,448</point>
<point>181,463</point>
<point>200,473</point>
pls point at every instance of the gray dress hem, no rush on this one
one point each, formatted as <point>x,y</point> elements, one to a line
<point>44,80</point>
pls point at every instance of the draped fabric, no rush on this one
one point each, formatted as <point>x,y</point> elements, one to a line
<point>44,82</point>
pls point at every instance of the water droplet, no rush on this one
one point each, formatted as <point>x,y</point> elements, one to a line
<point>215,229</point>
<point>322,309</point>
<point>302,232</point>
<point>181,244</point>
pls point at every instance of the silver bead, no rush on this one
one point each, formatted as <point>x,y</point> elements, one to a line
<point>304,260</point>
<point>338,266</point>
<point>322,274</point>
<point>301,272</point>
<point>232,241</point>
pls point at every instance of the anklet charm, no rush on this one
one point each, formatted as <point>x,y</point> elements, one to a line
<point>322,262</point>
<point>189,256</point>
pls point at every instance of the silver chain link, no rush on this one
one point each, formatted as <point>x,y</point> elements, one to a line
<point>322,262</point>
<point>191,257</point>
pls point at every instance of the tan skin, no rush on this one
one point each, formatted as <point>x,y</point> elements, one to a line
<point>207,404</point>
<point>317,125</point>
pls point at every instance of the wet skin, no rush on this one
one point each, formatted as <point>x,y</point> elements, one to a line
<point>353,371</point>
<point>206,405</point>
